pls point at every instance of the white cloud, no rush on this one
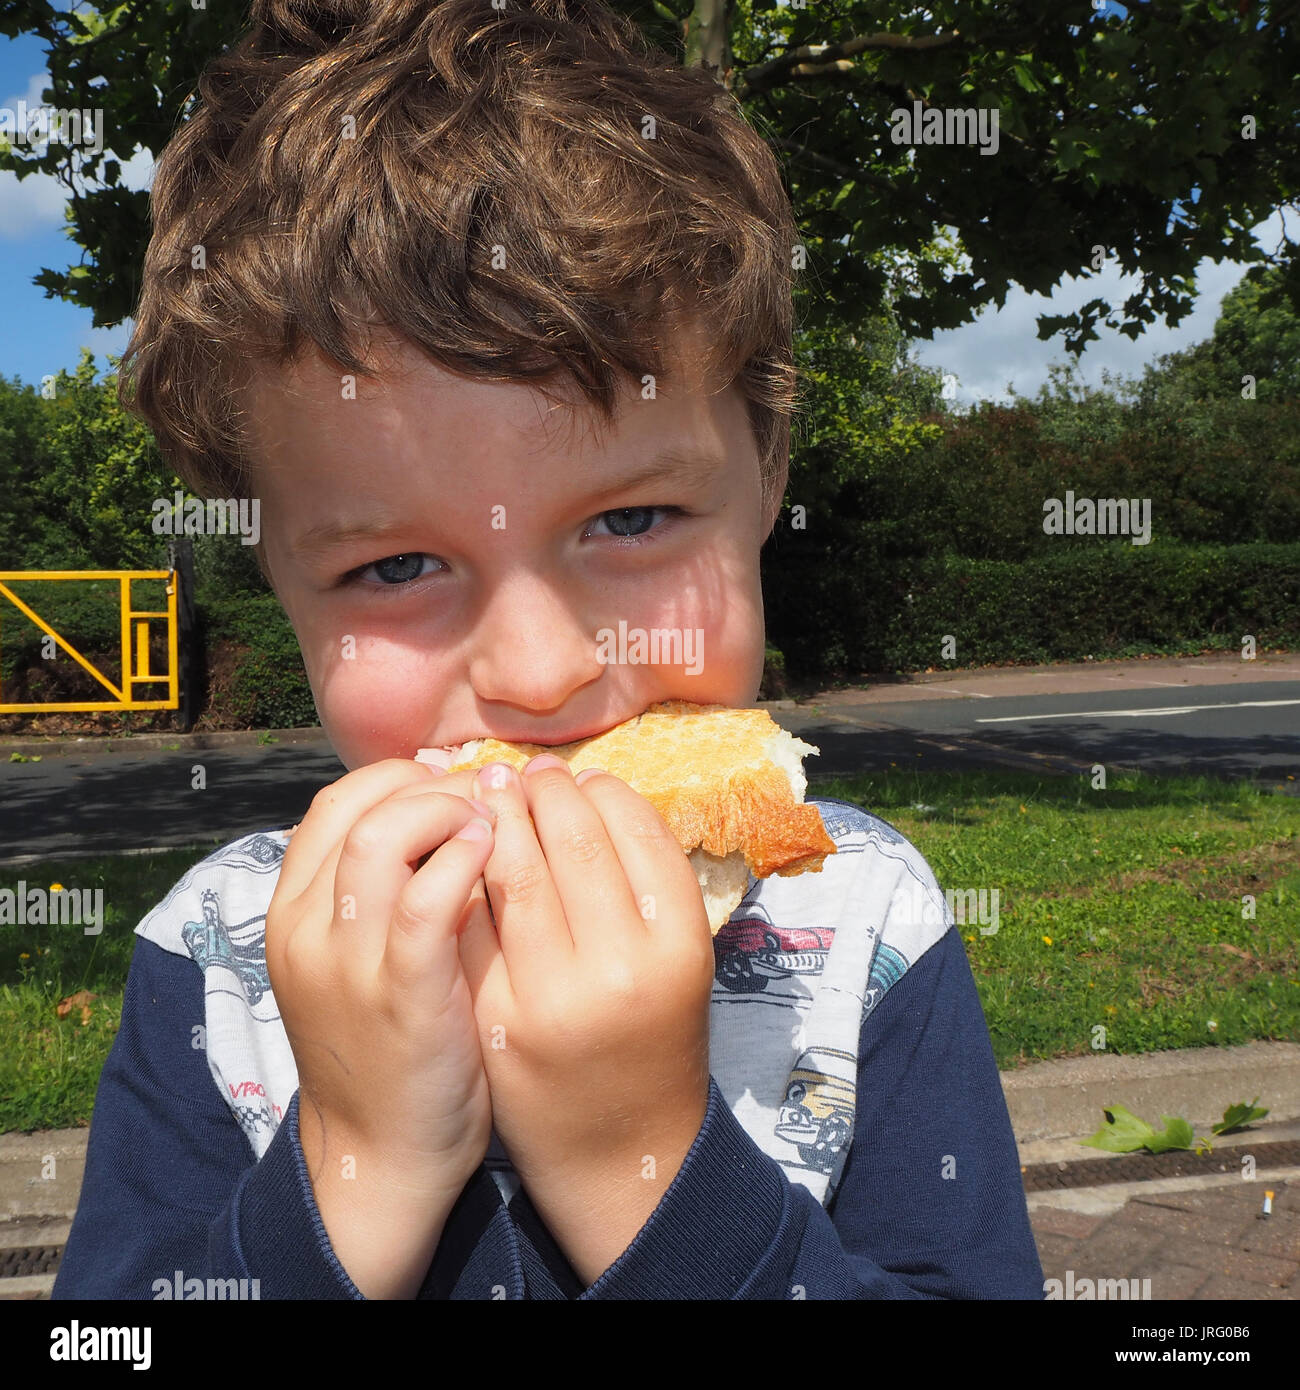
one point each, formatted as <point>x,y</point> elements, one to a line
<point>137,172</point>
<point>1003,346</point>
<point>36,204</point>
<point>36,84</point>
<point>33,204</point>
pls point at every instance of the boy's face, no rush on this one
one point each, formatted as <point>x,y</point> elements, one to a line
<point>456,558</point>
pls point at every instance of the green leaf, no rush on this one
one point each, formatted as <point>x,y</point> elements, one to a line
<point>1237,1117</point>
<point>1026,78</point>
<point>1122,1133</point>
<point>1177,1134</point>
<point>1070,153</point>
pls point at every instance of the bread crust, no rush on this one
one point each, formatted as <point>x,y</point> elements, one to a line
<point>708,770</point>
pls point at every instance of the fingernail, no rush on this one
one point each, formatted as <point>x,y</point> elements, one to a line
<point>588,772</point>
<point>542,761</point>
<point>495,777</point>
<point>477,829</point>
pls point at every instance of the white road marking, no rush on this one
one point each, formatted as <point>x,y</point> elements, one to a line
<point>1134,713</point>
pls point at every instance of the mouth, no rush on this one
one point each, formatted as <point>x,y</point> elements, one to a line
<point>440,757</point>
<point>450,754</point>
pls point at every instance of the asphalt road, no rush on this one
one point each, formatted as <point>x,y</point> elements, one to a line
<point>1221,730</point>
<point>95,801</point>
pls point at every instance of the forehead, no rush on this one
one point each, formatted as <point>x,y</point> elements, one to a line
<point>413,410</point>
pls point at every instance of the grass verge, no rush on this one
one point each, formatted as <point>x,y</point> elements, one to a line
<point>1122,921</point>
<point>1124,914</point>
<point>49,1066</point>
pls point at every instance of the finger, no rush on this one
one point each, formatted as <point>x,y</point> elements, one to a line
<point>592,885</point>
<point>377,864</point>
<point>482,958</point>
<point>449,783</point>
<point>659,874</point>
<point>334,810</point>
<point>529,916</point>
<point>434,906</point>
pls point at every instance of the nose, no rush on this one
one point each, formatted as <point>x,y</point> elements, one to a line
<point>530,649</point>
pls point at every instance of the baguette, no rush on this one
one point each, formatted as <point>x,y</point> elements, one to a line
<point>728,783</point>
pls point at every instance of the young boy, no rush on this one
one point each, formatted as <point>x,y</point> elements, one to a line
<point>428,1045</point>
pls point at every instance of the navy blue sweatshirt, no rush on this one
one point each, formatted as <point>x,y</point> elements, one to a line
<point>876,1163</point>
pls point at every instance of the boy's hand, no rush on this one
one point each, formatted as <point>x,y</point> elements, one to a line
<point>592,1000</point>
<point>363,955</point>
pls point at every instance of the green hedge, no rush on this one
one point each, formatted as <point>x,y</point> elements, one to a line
<point>1112,600</point>
<point>980,487</point>
<point>270,688</point>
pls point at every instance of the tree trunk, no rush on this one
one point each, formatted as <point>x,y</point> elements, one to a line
<point>180,560</point>
<point>708,42</point>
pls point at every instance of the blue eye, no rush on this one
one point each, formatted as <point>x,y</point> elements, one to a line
<point>397,569</point>
<point>633,523</point>
<point>628,526</point>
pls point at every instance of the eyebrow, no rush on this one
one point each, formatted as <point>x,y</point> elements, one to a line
<point>674,467</point>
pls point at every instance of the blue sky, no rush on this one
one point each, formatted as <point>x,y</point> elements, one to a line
<point>1002,347</point>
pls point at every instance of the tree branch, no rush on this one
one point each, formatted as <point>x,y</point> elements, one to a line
<point>820,161</point>
<point>830,56</point>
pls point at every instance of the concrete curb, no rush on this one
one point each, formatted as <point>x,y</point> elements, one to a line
<point>41,1173</point>
<point>93,746</point>
<point>1052,1106</point>
<point>1049,1100</point>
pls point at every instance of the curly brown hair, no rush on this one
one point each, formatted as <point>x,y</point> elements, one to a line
<point>518,193</point>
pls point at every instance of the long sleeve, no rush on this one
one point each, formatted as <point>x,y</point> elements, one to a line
<point>172,1192</point>
<point>929,1204</point>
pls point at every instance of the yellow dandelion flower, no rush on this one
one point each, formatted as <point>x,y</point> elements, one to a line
<point>1047,941</point>
<point>23,956</point>
<point>56,888</point>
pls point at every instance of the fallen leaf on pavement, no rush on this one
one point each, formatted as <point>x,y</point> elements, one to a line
<point>80,1000</point>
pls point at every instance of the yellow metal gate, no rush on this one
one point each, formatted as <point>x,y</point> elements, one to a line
<point>135,641</point>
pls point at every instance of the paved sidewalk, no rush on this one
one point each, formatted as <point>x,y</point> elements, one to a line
<point>1199,1237</point>
<point>1067,678</point>
<point>1207,1243</point>
<point>1194,1242</point>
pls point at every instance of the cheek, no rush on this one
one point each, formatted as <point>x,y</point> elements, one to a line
<point>374,700</point>
<point>722,604</point>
